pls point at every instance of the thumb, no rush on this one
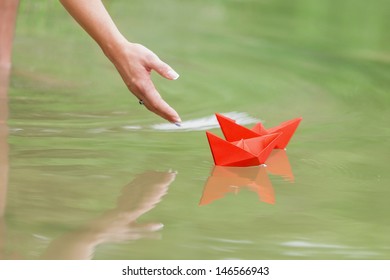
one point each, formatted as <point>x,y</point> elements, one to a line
<point>163,69</point>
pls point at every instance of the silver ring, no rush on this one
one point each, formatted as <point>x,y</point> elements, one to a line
<point>141,102</point>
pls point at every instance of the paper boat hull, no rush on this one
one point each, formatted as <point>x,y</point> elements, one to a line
<point>228,154</point>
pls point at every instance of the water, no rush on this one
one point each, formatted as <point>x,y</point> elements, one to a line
<point>91,174</point>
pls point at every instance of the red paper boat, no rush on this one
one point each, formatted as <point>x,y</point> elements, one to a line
<point>245,152</point>
<point>235,132</point>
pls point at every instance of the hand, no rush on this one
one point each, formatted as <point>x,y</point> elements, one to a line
<point>134,63</point>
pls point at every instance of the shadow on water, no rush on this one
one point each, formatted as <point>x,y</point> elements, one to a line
<point>225,180</point>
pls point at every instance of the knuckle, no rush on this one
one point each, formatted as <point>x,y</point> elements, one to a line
<point>151,56</point>
<point>132,84</point>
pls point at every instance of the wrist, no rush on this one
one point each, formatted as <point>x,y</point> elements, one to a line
<point>113,46</point>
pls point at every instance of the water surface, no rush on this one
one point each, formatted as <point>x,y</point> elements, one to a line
<point>91,174</point>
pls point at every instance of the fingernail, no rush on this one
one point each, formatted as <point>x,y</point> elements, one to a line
<point>173,75</point>
<point>177,124</point>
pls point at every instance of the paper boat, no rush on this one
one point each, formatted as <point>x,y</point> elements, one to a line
<point>244,152</point>
<point>235,132</point>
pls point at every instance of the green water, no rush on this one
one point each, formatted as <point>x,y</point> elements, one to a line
<point>89,169</point>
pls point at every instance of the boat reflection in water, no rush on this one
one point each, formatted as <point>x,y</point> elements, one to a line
<point>225,180</point>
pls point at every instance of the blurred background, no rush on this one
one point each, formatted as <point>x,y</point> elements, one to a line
<point>91,169</point>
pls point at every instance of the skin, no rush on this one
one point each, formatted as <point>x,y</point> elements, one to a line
<point>134,62</point>
<point>8,9</point>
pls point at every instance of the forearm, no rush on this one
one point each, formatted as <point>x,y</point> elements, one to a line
<point>8,11</point>
<point>94,18</point>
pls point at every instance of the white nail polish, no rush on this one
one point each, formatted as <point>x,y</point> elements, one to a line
<point>173,75</point>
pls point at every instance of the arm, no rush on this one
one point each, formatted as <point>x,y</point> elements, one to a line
<point>134,62</point>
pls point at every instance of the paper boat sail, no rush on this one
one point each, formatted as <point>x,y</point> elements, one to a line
<point>235,132</point>
<point>244,152</point>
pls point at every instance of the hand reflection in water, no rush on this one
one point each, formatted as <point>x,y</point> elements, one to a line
<point>118,224</point>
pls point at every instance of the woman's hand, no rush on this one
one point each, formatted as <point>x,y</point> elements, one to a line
<point>134,63</point>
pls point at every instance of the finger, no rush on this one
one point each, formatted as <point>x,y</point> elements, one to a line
<point>163,68</point>
<point>154,102</point>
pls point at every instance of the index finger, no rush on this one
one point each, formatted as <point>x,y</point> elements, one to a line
<point>153,101</point>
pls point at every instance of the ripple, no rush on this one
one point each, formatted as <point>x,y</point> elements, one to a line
<point>132,127</point>
<point>340,162</point>
<point>305,244</point>
<point>15,129</point>
<point>98,130</point>
<point>48,130</point>
<point>231,241</point>
<point>90,116</point>
<point>299,248</point>
<point>205,123</point>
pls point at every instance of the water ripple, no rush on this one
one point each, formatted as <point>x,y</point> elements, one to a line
<point>205,123</point>
<point>305,244</point>
<point>298,248</point>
